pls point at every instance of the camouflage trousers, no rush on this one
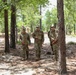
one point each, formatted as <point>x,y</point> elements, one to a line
<point>25,51</point>
<point>55,51</point>
<point>38,50</point>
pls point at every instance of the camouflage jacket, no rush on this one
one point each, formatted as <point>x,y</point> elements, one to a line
<point>38,36</point>
<point>24,38</point>
<point>53,35</point>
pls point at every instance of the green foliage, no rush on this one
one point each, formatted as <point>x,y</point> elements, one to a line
<point>70,16</point>
<point>48,19</point>
<point>51,17</point>
<point>54,15</point>
<point>44,25</point>
<point>1,22</point>
<point>27,17</point>
<point>2,28</point>
<point>35,3</point>
<point>27,11</point>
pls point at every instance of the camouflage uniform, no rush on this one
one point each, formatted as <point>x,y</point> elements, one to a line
<point>53,36</point>
<point>25,41</point>
<point>38,36</point>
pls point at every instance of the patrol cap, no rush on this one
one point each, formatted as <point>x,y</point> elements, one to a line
<point>37,26</point>
<point>52,26</point>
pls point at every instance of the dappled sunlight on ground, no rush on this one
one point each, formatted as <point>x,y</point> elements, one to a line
<point>12,64</point>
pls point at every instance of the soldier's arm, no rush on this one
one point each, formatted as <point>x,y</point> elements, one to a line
<point>21,40</point>
<point>55,41</point>
<point>49,35</point>
<point>56,38</point>
<point>33,35</point>
<point>20,37</point>
<point>29,39</point>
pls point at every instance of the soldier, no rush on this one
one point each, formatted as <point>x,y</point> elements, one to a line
<point>53,37</point>
<point>24,41</point>
<point>38,36</point>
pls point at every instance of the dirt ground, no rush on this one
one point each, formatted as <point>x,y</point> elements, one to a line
<point>12,64</point>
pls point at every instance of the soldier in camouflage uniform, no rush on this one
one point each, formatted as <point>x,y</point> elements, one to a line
<point>53,37</point>
<point>38,36</point>
<point>25,42</point>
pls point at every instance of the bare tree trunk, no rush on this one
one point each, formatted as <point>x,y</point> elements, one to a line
<point>16,33</point>
<point>6,29</point>
<point>62,46</point>
<point>13,25</point>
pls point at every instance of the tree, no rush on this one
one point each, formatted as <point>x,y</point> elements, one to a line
<point>6,28</point>
<point>13,25</point>
<point>19,4</point>
<point>62,46</point>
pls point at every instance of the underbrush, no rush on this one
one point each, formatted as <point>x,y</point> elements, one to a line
<point>71,43</point>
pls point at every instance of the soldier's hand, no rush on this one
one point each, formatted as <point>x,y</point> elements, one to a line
<point>36,37</point>
<point>20,37</point>
<point>23,43</point>
<point>55,41</point>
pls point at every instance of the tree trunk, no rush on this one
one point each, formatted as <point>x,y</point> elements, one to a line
<point>16,33</point>
<point>6,29</point>
<point>62,46</point>
<point>13,25</point>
